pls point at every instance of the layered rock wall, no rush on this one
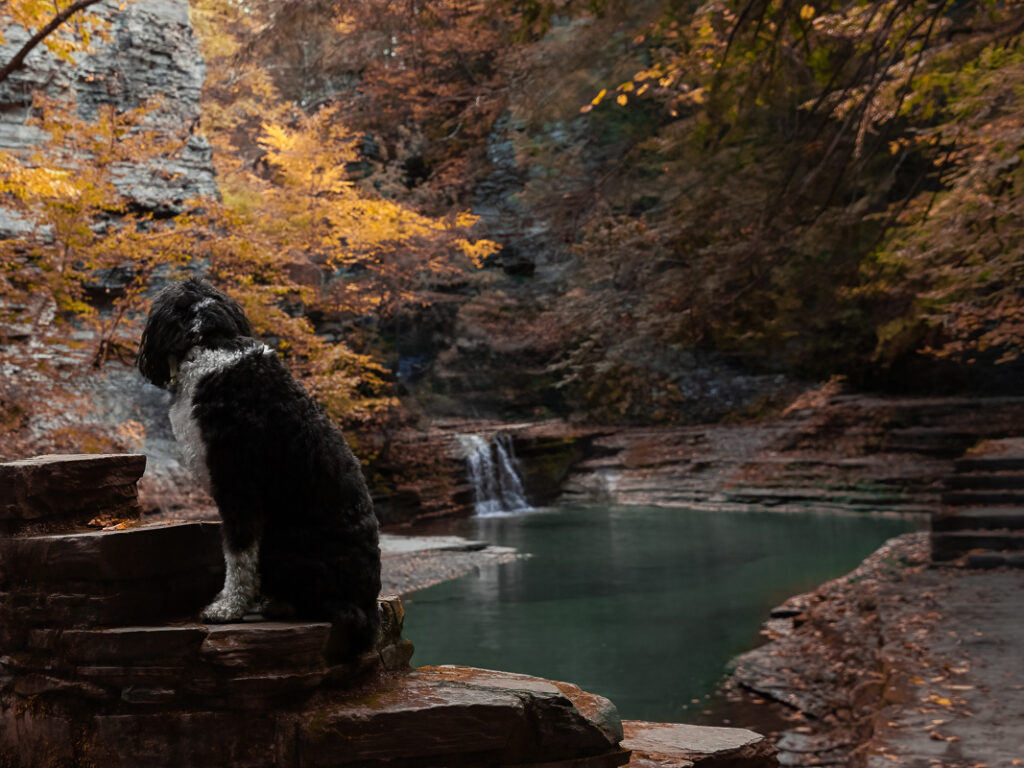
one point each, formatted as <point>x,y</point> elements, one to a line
<point>152,54</point>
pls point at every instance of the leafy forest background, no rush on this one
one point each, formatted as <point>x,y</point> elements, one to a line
<point>618,212</point>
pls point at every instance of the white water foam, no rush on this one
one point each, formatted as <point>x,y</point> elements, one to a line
<point>497,487</point>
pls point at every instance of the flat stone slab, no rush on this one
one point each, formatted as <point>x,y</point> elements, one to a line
<point>676,744</point>
<point>146,575</point>
<point>1006,454</point>
<point>143,552</point>
<point>1007,446</point>
<point>394,544</point>
<point>459,716</point>
<point>62,492</point>
<point>125,645</point>
<point>262,645</point>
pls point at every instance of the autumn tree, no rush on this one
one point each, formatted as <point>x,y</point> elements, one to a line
<point>804,186</point>
<point>286,201</point>
<point>303,237</point>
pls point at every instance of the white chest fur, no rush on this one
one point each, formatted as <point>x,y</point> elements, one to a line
<point>197,364</point>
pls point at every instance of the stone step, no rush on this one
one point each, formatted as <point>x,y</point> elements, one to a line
<point>951,545</point>
<point>986,560</point>
<point>977,498</point>
<point>145,551</point>
<point>929,440</point>
<point>985,480</point>
<point>150,574</point>
<point>231,666</point>
<point>980,518</point>
<point>673,744</point>
<point>61,493</point>
<point>990,464</point>
<point>1003,454</point>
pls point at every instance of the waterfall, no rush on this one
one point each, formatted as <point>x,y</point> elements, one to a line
<point>497,488</point>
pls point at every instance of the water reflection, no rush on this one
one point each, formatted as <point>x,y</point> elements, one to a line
<point>643,605</point>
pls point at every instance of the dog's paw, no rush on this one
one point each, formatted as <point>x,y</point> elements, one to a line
<point>223,610</point>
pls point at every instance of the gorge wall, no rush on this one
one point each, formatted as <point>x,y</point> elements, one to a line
<point>152,53</point>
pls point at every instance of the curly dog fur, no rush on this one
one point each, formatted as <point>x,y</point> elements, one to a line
<point>300,536</point>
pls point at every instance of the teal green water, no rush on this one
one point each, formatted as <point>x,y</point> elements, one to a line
<point>643,605</point>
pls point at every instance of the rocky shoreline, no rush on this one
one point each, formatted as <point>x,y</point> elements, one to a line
<point>897,662</point>
<point>409,563</point>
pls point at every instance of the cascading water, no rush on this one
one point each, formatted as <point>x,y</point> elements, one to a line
<point>497,488</point>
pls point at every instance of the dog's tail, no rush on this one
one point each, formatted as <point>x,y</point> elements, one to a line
<point>354,631</point>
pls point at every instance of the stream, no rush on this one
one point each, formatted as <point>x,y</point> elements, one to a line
<point>644,605</point>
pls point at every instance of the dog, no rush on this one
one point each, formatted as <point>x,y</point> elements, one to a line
<point>299,535</point>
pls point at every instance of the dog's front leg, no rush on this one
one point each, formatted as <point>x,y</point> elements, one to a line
<point>241,584</point>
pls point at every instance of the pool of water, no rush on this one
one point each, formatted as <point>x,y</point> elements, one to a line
<point>643,605</point>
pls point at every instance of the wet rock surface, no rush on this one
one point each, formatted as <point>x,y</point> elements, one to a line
<point>409,563</point>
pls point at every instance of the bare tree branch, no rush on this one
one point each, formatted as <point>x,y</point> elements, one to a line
<point>18,60</point>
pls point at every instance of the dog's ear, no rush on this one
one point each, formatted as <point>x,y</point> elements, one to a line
<point>165,336</point>
<point>184,315</point>
<point>216,318</point>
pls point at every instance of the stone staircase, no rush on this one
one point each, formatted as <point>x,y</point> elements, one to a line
<point>981,524</point>
<point>103,664</point>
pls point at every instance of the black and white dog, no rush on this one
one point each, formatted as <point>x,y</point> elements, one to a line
<point>300,536</point>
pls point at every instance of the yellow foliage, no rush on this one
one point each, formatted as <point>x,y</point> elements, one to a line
<point>74,36</point>
<point>286,199</point>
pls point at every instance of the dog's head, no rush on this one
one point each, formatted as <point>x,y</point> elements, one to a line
<point>185,315</point>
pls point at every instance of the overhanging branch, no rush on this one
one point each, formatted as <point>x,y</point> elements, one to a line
<point>18,60</point>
